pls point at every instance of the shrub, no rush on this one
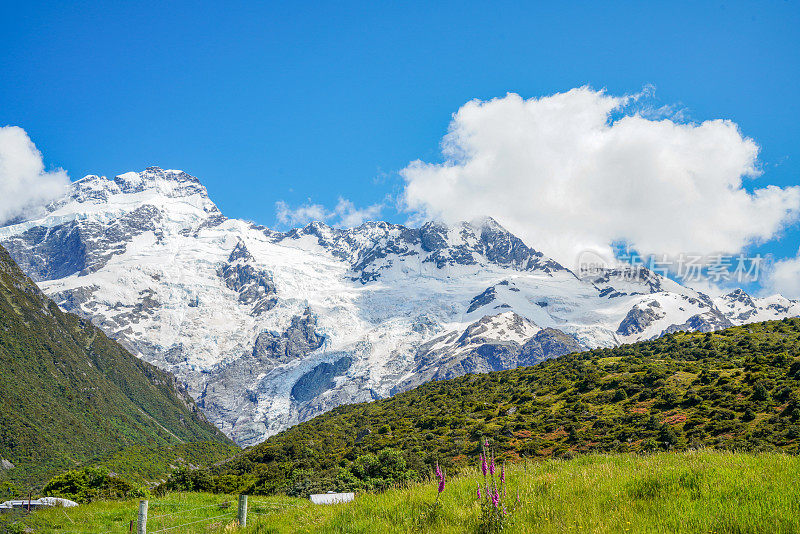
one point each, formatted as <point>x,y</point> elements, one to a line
<point>8,491</point>
<point>760,392</point>
<point>91,484</point>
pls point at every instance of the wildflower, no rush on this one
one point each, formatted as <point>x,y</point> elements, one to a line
<point>440,475</point>
<point>483,465</point>
<point>503,474</point>
<point>495,499</point>
<point>491,465</point>
<point>479,491</point>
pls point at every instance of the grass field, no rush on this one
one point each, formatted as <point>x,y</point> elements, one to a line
<point>705,491</point>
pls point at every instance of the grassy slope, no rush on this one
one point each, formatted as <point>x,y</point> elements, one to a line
<point>663,493</point>
<point>70,394</point>
<point>734,389</point>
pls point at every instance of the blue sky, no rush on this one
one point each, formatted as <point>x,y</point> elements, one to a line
<point>294,101</point>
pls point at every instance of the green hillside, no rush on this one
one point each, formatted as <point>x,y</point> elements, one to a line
<point>735,389</point>
<point>69,394</point>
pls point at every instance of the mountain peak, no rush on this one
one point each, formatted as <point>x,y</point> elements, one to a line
<point>128,191</point>
<point>739,295</point>
<point>172,182</point>
<point>376,246</point>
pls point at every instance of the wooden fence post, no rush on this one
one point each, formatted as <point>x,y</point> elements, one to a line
<point>142,528</point>
<point>130,527</point>
<point>242,511</point>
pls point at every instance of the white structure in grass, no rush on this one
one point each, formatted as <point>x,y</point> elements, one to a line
<point>331,497</point>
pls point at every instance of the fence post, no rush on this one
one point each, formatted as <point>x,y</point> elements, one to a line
<point>142,528</point>
<point>130,528</point>
<point>242,511</point>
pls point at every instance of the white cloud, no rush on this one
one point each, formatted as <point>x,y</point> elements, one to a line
<point>784,277</point>
<point>24,184</point>
<point>298,216</point>
<point>580,170</point>
<point>349,216</point>
<point>345,214</point>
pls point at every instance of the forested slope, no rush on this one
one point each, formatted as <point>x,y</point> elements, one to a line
<point>69,394</point>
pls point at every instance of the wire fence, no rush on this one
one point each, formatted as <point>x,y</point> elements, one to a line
<point>219,505</point>
<point>161,521</point>
<point>260,509</point>
<point>227,514</point>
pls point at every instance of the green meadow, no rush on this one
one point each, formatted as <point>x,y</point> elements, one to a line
<point>697,491</point>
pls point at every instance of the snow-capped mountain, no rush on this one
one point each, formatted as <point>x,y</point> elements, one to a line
<point>268,329</point>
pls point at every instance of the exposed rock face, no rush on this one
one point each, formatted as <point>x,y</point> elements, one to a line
<point>640,318</point>
<point>547,343</point>
<point>319,379</point>
<point>702,322</point>
<point>375,247</point>
<point>482,300</point>
<point>268,328</point>
<point>78,246</point>
<point>296,341</point>
<point>492,343</point>
<point>253,285</point>
<point>624,281</point>
<point>739,307</point>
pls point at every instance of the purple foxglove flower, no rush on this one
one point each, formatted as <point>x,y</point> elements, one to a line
<point>479,491</point>
<point>495,499</point>
<point>491,466</point>
<point>441,482</point>
<point>483,464</point>
<point>503,474</point>
<point>438,471</point>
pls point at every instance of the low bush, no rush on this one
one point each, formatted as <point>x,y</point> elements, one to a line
<point>91,484</point>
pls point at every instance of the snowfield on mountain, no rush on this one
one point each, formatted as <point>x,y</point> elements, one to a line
<point>268,328</point>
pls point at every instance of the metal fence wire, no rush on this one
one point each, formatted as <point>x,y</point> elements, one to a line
<point>193,522</point>
<point>142,520</point>
<point>220,505</point>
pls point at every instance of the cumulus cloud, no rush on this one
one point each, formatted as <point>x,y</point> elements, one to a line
<point>24,183</point>
<point>580,170</point>
<point>784,277</point>
<point>345,214</point>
